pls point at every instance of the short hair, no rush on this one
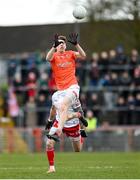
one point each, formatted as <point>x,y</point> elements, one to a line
<point>60,37</point>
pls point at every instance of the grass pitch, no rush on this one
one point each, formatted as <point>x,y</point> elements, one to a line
<point>71,166</point>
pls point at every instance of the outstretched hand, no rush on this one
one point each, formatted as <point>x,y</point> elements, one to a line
<point>73,38</point>
<point>56,42</point>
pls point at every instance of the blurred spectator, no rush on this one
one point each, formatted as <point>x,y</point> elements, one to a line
<point>24,67</point>
<point>41,110</point>
<point>31,85</point>
<point>122,111</point>
<point>33,69</point>
<point>2,103</point>
<point>109,99</point>
<point>104,62</point>
<point>137,76</point>
<point>114,80</point>
<point>125,79</point>
<point>112,57</point>
<point>12,67</point>
<point>43,83</point>
<point>95,57</point>
<point>134,61</point>
<point>93,104</point>
<point>19,89</point>
<point>105,80</point>
<point>92,125</point>
<point>94,74</point>
<point>13,107</point>
<point>121,58</point>
<point>92,121</point>
<point>81,71</point>
<point>137,112</point>
<point>131,102</point>
<point>31,116</point>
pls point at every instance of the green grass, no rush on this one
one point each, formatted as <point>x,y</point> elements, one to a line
<point>71,166</point>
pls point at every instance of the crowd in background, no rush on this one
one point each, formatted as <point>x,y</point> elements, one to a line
<point>109,81</point>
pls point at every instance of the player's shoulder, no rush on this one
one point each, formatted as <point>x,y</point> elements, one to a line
<point>55,54</point>
<point>70,51</point>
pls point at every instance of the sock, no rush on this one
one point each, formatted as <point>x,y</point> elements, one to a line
<point>81,140</point>
<point>50,155</point>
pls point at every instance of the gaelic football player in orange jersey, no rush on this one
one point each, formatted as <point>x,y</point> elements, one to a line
<point>63,67</point>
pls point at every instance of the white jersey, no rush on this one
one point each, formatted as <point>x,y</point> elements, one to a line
<point>57,98</point>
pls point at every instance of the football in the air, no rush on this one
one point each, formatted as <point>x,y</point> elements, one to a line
<point>79,12</point>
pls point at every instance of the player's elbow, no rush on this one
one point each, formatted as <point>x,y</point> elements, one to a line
<point>83,56</point>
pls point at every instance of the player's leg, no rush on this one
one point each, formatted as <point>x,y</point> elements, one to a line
<point>68,98</point>
<point>78,108</point>
<point>79,113</point>
<point>50,146</point>
<point>63,113</point>
<point>71,97</point>
<point>74,134</point>
<point>76,145</point>
<point>50,154</point>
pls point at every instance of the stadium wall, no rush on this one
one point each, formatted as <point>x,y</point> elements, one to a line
<point>95,36</point>
<point>104,139</point>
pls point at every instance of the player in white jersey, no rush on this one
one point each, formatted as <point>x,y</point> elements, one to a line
<point>71,127</point>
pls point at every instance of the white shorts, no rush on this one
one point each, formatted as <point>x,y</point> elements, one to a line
<point>72,93</point>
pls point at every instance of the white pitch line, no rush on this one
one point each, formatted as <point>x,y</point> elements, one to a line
<point>90,167</point>
<point>20,168</point>
<point>106,167</point>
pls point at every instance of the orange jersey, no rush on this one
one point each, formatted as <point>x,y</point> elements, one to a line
<point>63,66</point>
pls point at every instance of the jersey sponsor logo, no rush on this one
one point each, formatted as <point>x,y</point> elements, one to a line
<point>64,64</point>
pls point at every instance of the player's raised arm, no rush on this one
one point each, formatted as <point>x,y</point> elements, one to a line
<point>52,50</point>
<point>50,54</point>
<point>73,40</point>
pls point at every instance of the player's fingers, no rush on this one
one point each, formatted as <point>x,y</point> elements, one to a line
<point>56,36</point>
<point>70,36</point>
<point>69,41</point>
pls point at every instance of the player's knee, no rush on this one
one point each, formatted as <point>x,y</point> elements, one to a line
<point>49,144</point>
